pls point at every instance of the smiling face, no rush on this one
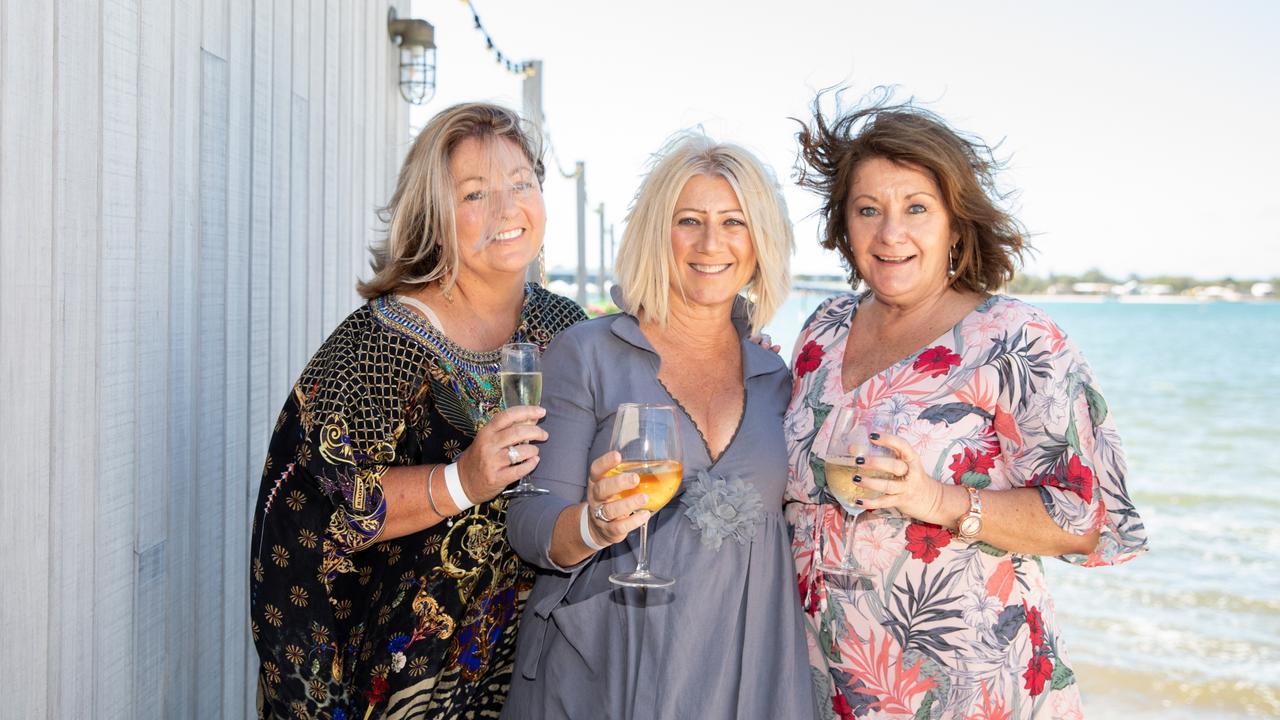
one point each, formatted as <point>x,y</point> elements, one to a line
<point>710,243</point>
<point>499,215</point>
<point>900,231</point>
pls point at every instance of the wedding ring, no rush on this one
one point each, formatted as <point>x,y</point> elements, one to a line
<point>599,513</point>
<point>512,454</point>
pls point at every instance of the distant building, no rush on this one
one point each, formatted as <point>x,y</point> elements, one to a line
<point>1262,290</point>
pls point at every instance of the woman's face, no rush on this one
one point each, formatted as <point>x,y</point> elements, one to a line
<point>711,243</point>
<point>899,230</point>
<point>498,212</point>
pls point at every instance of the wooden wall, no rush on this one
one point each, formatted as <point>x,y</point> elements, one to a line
<point>187,192</point>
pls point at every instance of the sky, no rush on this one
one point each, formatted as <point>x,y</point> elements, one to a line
<point>1140,137</point>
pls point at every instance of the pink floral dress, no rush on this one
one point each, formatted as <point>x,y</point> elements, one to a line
<point>943,629</point>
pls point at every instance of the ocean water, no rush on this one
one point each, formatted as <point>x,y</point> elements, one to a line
<point>1192,627</point>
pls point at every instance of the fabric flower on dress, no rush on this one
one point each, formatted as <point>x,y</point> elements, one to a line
<point>723,508</point>
<point>809,359</point>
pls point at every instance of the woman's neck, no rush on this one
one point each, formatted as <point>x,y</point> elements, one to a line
<point>696,330</point>
<point>477,313</point>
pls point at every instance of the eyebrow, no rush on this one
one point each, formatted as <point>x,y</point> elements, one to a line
<point>873,198</point>
<point>705,212</point>
<point>524,169</point>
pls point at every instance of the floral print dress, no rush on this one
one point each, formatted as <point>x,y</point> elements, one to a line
<point>940,628</point>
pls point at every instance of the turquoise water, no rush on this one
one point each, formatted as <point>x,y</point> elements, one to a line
<point>1192,628</point>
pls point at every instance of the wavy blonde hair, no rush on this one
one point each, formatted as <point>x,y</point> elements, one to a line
<point>645,258</point>
<point>421,245</point>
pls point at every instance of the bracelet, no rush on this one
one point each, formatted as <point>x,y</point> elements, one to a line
<point>584,527</point>
<point>453,483</point>
<point>430,498</point>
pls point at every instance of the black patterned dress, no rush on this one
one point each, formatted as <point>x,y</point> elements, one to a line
<point>351,627</point>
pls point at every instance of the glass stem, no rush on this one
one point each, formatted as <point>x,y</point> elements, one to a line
<point>642,559</point>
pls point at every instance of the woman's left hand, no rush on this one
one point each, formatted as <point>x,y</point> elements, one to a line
<point>913,493</point>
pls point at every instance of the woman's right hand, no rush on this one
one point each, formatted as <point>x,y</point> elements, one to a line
<point>486,468</point>
<point>620,514</point>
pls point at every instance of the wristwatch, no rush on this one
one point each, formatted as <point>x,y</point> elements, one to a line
<point>971,522</point>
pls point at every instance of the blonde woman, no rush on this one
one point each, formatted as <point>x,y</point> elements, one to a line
<point>726,640</point>
<point>382,584</point>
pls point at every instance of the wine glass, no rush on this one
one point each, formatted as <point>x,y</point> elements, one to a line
<point>520,374</point>
<point>850,438</point>
<point>648,438</point>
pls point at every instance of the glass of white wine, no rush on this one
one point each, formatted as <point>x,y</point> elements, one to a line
<point>648,438</point>
<point>851,430</point>
<point>520,374</point>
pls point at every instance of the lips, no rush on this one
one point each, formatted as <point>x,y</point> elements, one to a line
<point>894,260</point>
<point>710,269</point>
<point>511,234</point>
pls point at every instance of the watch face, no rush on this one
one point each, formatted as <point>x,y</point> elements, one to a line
<point>970,526</point>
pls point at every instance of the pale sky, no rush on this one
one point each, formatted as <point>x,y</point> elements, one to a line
<point>1141,136</point>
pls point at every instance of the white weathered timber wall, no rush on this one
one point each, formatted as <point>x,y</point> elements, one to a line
<point>187,192</point>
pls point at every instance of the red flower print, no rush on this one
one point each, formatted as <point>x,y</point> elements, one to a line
<point>1074,477</point>
<point>1039,670</point>
<point>970,461</point>
<point>808,595</point>
<point>1035,623</point>
<point>809,359</point>
<point>926,540</point>
<point>937,360</point>
<point>842,708</point>
<point>377,690</point>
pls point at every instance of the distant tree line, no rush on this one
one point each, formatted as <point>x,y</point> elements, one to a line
<point>1027,284</point>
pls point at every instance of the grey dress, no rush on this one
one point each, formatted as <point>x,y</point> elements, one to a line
<point>727,640</point>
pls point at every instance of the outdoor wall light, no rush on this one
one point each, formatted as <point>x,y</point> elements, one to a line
<point>416,40</point>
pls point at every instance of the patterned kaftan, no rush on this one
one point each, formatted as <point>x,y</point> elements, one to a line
<point>942,629</point>
<point>348,626</point>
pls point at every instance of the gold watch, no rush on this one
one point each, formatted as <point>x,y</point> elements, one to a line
<point>970,523</point>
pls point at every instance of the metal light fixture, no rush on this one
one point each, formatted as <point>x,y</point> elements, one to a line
<point>416,40</point>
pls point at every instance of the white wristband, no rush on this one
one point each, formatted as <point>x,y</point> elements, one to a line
<point>584,527</point>
<point>453,483</point>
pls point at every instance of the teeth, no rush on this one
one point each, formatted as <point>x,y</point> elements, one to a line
<point>884,258</point>
<point>709,268</point>
<point>508,235</point>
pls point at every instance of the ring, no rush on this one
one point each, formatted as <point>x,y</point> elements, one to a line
<point>599,513</point>
<point>512,454</point>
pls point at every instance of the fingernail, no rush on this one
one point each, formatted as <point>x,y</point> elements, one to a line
<point>859,460</point>
<point>857,478</point>
<point>857,502</point>
<point>874,436</point>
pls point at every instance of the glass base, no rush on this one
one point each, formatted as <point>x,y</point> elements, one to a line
<point>642,579</point>
<point>524,490</point>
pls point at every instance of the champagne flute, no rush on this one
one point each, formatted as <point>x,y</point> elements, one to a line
<point>850,438</point>
<point>648,438</point>
<point>520,374</point>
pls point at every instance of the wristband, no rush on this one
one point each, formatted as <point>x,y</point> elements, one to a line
<point>584,527</point>
<point>453,483</point>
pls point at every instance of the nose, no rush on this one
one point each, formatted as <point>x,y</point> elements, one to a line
<point>711,239</point>
<point>893,229</point>
<point>504,203</point>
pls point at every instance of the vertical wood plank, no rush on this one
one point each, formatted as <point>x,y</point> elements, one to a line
<point>356,237</point>
<point>239,660</point>
<point>347,41</point>
<point>185,692</point>
<point>151,501</point>
<point>332,123</point>
<point>281,145</point>
<point>76,211</point>
<point>26,322</point>
<point>314,315</point>
<point>214,38</point>
<point>299,188</point>
<point>114,579</point>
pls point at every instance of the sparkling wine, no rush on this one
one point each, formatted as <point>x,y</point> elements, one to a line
<point>840,472</point>
<point>521,388</point>
<point>659,479</point>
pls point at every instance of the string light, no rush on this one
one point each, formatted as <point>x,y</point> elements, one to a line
<point>523,69</point>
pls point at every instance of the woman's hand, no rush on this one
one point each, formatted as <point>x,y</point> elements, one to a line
<point>500,454</point>
<point>766,342</point>
<point>914,493</point>
<point>611,518</point>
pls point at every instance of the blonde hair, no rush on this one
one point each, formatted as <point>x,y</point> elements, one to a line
<point>421,245</point>
<point>645,258</point>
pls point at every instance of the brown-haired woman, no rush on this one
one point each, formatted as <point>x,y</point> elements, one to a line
<point>1001,448</point>
<point>382,584</point>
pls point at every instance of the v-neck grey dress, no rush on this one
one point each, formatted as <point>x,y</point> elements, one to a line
<point>726,641</point>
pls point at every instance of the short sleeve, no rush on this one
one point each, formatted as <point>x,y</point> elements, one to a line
<point>1057,434</point>
<point>568,396</point>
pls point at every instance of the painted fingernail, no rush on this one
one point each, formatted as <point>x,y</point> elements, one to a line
<point>874,436</point>
<point>857,478</point>
<point>859,460</point>
<point>857,502</point>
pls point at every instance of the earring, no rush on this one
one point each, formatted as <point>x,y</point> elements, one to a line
<point>951,262</point>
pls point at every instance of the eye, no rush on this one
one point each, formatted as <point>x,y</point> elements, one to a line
<point>473,196</point>
<point>690,221</point>
<point>868,211</point>
<point>735,221</point>
<point>916,209</point>
<point>522,187</point>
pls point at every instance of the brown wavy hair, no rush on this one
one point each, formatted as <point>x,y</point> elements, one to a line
<point>992,241</point>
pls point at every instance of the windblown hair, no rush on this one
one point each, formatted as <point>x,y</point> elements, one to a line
<point>645,259</point>
<point>991,242</point>
<point>421,245</point>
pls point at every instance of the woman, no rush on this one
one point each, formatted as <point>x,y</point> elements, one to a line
<point>726,640</point>
<point>1005,450</point>
<point>382,583</point>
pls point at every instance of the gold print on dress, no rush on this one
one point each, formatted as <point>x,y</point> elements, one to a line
<point>473,547</point>
<point>433,621</point>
